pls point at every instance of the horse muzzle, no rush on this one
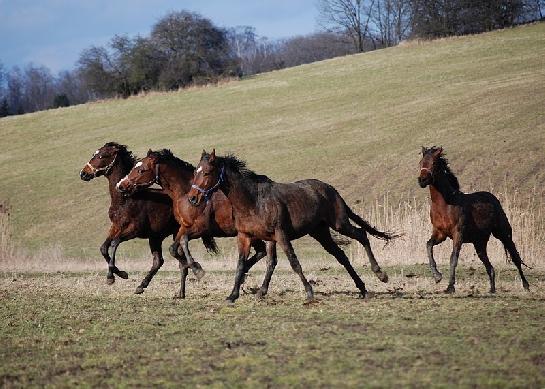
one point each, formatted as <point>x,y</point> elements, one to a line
<point>86,176</point>
<point>424,181</point>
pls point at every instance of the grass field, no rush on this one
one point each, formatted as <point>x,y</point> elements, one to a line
<point>357,122</point>
<point>62,329</point>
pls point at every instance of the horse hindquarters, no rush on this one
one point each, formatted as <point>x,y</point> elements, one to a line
<point>503,232</point>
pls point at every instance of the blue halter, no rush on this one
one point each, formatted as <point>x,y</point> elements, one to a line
<point>209,192</point>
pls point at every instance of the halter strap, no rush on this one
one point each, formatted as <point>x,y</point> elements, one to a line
<point>425,169</point>
<point>105,169</point>
<point>207,193</point>
<point>155,179</point>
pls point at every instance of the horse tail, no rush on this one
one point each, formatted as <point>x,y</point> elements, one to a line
<point>384,235</point>
<point>512,252</point>
<point>210,244</point>
<point>504,233</point>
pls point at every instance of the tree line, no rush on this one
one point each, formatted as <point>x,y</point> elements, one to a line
<point>185,48</point>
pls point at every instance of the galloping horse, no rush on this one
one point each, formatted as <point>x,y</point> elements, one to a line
<point>465,218</point>
<point>212,219</point>
<point>147,215</point>
<point>280,213</point>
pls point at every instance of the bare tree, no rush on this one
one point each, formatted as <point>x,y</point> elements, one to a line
<point>391,21</point>
<point>350,17</point>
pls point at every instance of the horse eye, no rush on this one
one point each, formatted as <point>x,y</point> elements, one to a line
<point>206,174</point>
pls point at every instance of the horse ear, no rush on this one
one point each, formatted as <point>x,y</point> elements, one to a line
<point>149,152</point>
<point>438,152</point>
<point>423,150</point>
<point>203,153</point>
<point>212,157</point>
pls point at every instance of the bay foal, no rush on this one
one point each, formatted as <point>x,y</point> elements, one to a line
<point>464,218</point>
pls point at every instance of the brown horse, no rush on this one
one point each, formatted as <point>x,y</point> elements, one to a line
<point>280,213</point>
<point>147,215</point>
<point>465,218</point>
<point>213,218</point>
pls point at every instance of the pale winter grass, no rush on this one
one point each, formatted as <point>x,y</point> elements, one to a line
<point>410,217</point>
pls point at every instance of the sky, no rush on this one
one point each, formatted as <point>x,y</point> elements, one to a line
<point>54,32</point>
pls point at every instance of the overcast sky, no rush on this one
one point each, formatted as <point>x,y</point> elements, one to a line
<point>54,32</point>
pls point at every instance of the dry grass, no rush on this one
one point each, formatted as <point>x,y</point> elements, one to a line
<point>525,212</point>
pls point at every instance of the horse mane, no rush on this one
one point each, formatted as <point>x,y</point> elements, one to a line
<point>127,158</point>
<point>442,165</point>
<point>237,165</point>
<point>166,156</point>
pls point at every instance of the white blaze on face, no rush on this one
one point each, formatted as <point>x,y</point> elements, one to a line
<point>199,169</point>
<point>138,164</point>
<point>96,152</point>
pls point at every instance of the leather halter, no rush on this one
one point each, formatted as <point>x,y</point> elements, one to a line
<point>207,193</point>
<point>105,169</point>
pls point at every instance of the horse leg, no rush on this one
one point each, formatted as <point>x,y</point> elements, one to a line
<point>456,247</point>
<point>260,252</point>
<point>156,251</point>
<point>110,279</point>
<point>435,239</point>
<point>323,236</point>
<point>480,248</point>
<point>244,243</point>
<point>360,235</point>
<point>286,245</point>
<point>271,264</point>
<point>515,256</point>
<point>112,269</point>
<point>183,265</point>
<point>194,265</point>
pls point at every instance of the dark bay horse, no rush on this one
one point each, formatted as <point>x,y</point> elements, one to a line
<point>465,218</point>
<point>280,213</point>
<point>147,215</point>
<point>213,218</point>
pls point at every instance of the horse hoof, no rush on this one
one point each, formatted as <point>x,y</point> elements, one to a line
<point>199,273</point>
<point>122,274</point>
<point>178,296</point>
<point>260,294</point>
<point>492,290</point>
<point>382,276</point>
<point>438,277</point>
<point>526,286</point>
<point>450,290</point>
<point>230,300</point>
<point>110,281</point>
<point>139,290</point>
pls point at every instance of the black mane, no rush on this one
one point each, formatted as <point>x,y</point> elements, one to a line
<point>237,165</point>
<point>442,166</point>
<point>128,160</point>
<point>166,156</point>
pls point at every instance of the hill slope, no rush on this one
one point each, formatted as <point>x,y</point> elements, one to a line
<point>357,122</point>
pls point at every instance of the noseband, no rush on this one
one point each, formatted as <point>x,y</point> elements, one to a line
<point>154,180</point>
<point>207,193</point>
<point>105,169</point>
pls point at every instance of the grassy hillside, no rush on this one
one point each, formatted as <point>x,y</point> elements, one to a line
<point>357,122</point>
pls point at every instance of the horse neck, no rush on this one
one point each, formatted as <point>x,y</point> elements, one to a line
<point>175,180</point>
<point>119,170</point>
<point>238,192</point>
<point>442,190</point>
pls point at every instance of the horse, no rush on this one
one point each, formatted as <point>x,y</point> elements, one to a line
<point>464,218</point>
<point>214,218</point>
<point>282,212</point>
<point>147,215</point>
